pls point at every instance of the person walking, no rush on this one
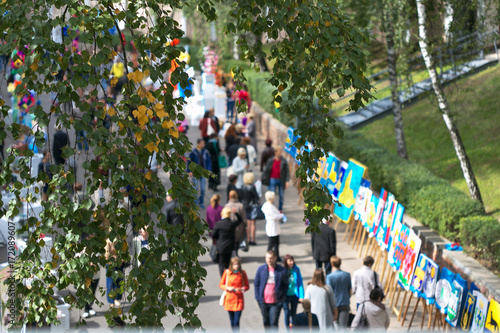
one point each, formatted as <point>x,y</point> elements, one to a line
<point>252,131</point>
<point>295,292</point>
<point>200,156</point>
<point>223,234</point>
<point>364,280</point>
<point>323,303</point>
<point>271,285</point>
<point>207,126</point>
<point>267,154</point>
<point>235,282</point>
<point>238,208</point>
<point>276,175</point>
<point>213,148</point>
<point>213,211</point>
<point>307,318</point>
<point>250,200</point>
<point>273,221</point>
<point>240,166</point>
<point>252,154</point>
<point>340,282</point>
<point>60,141</point>
<point>324,245</point>
<point>375,312</point>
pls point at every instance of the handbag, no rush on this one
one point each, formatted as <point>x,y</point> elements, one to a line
<point>214,254</point>
<point>220,158</point>
<point>210,129</point>
<point>377,287</point>
<point>257,213</point>
<point>230,171</point>
<point>223,296</point>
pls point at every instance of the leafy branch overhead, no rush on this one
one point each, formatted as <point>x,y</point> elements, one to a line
<point>319,53</point>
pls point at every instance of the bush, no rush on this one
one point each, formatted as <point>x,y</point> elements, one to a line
<point>482,235</point>
<point>426,197</point>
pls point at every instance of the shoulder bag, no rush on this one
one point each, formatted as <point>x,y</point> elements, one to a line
<point>214,253</point>
<point>376,285</point>
<point>223,296</point>
<point>363,321</point>
<point>220,158</point>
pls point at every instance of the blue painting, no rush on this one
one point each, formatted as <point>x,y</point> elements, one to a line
<point>329,176</point>
<point>290,140</point>
<point>349,189</point>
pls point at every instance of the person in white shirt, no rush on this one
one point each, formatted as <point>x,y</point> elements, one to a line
<point>364,280</point>
<point>273,221</point>
<point>252,154</point>
<point>240,166</point>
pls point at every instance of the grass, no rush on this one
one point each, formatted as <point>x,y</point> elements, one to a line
<point>474,102</point>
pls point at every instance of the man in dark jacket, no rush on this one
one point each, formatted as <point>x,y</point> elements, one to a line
<point>276,176</point>
<point>270,293</point>
<point>60,140</point>
<point>267,154</point>
<point>172,216</point>
<point>324,245</point>
<point>200,156</point>
<point>223,233</point>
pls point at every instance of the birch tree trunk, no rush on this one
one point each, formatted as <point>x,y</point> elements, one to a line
<point>396,104</point>
<point>444,107</point>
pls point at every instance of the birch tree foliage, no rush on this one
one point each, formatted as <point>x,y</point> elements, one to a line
<point>320,52</point>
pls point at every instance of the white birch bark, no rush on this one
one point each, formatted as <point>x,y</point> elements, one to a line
<point>444,107</point>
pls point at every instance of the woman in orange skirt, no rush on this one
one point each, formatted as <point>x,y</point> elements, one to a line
<point>235,282</point>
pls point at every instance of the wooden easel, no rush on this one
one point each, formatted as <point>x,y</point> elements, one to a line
<point>356,233</point>
<point>407,306</point>
<point>424,305</point>
<point>362,243</point>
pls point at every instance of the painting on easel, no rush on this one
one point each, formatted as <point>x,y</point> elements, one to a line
<point>468,312</point>
<point>453,308</point>
<point>480,311</point>
<point>349,189</point>
<point>394,232</point>
<point>290,140</point>
<point>340,179</point>
<point>493,317</point>
<point>329,176</point>
<point>419,275</point>
<point>371,212</point>
<point>380,210</point>
<point>410,260</point>
<point>386,220</point>
<point>431,278</point>
<point>400,243</point>
<point>364,195</point>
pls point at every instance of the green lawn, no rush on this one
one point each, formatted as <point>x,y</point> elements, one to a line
<point>475,103</point>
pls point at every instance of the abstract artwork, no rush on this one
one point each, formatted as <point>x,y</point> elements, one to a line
<point>405,274</point>
<point>349,189</point>
<point>419,275</point>
<point>453,308</point>
<point>431,278</point>
<point>386,220</point>
<point>480,311</point>
<point>329,176</point>
<point>371,212</point>
<point>400,246</point>
<point>340,178</point>
<point>290,140</point>
<point>380,210</point>
<point>360,205</point>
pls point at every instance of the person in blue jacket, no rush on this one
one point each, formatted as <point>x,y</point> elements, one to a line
<point>295,293</point>
<point>200,156</point>
<point>271,285</point>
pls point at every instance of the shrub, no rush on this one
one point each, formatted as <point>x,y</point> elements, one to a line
<point>482,235</point>
<point>426,197</point>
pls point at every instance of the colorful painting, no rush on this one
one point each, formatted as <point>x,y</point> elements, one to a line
<point>443,294</point>
<point>394,234</point>
<point>396,222</point>
<point>480,312</point>
<point>364,195</point>
<point>419,275</point>
<point>320,168</point>
<point>431,278</point>
<point>290,140</point>
<point>340,178</point>
<point>493,317</point>
<point>349,189</point>
<point>371,212</point>
<point>453,308</point>
<point>329,176</point>
<point>405,274</point>
<point>380,210</point>
<point>400,246</point>
<point>386,220</point>
<point>468,312</point>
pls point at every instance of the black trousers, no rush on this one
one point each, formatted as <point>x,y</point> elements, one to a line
<point>93,287</point>
<point>224,259</point>
<point>274,244</point>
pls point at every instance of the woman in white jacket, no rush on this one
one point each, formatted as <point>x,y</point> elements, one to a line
<point>240,166</point>
<point>273,221</point>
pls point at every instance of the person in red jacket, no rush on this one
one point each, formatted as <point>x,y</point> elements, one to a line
<point>235,282</point>
<point>207,125</point>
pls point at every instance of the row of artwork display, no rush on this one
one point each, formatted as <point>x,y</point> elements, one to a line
<point>382,217</point>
